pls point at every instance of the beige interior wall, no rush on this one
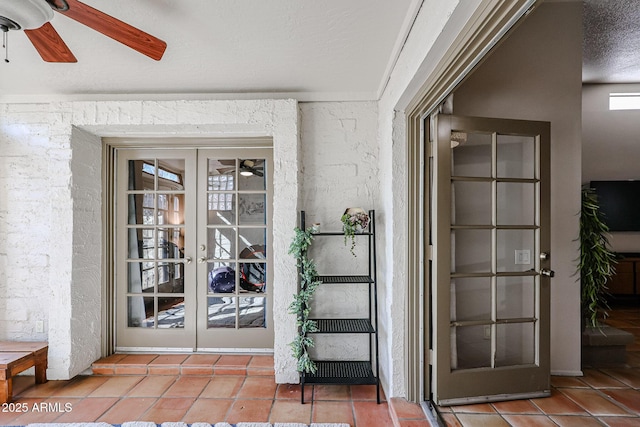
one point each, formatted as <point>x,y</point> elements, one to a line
<point>536,74</point>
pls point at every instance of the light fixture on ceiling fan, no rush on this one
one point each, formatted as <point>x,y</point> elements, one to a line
<point>249,168</point>
<point>246,167</point>
<point>33,16</point>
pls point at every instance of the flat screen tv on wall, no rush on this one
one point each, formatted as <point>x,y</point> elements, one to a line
<point>620,204</point>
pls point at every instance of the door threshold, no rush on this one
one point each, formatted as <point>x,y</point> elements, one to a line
<point>493,398</point>
<point>154,350</point>
<point>174,350</point>
<point>235,350</point>
<point>431,412</point>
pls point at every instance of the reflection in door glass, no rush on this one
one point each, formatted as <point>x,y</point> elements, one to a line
<point>471,251</point>
<point>156,200</point>
<point>221,312</point>
<point>515,344</point>
<point>252,175</point>
<point>141,175</point>
<point>252,209</point>
<point>222,280</point>
<point>471,154</point>
<point>221,175</point>
<point>221,209</point>
<point>140,312</point>
<point>512,242</point>
<point>221,243</point>
<point>170,312</point>
<point>141,277</point>
<point>516,155</point>
<point>252,312</point>
<point>516,203</point>
<point>236,243</point>
<point>472,203</point>
<point>515,297</point>
<point>471,298</point>
<point>142,208</point>
<point>253,276</point>
<point>471,347</point>
<point>213,268</point>
<point>253,242</point>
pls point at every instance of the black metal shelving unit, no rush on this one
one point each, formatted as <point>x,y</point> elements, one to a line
<point>352,372</point>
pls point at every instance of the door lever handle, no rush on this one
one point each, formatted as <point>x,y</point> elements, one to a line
<point>202,260</point>
<point>547,272</point>
<point>187,260</point>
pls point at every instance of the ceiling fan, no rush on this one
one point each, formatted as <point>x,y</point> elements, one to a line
<point>33,16</point>
<point>247,167</point>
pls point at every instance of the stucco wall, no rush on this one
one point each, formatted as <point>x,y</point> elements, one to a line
<point>536,74</point>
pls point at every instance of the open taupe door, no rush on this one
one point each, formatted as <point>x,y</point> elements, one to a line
<point>491,262</point>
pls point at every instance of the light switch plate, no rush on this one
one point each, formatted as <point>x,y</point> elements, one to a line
<point>523,257</point>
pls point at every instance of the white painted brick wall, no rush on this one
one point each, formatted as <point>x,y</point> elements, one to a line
<point>50,231</point>
<point>86,190</point>
<point>429,24</point>
<point>24,225</point>
<point>50,203</point>
<point>340,159</point>
<point>340,170</point>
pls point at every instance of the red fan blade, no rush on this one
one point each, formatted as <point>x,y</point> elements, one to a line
<point>49,44</point>
<point>120,31</point>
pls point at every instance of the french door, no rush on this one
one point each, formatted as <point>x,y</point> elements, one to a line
<point>491,260</point>
<point>193,267</point>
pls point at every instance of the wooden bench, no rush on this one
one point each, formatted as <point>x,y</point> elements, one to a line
<point>16,357</point>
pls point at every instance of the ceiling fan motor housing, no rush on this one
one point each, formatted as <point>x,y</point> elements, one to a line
<point>24,14</point>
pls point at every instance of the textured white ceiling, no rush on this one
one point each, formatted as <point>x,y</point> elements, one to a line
<point>320,49</point>
<point>611,41</point>
<point>310,49</point>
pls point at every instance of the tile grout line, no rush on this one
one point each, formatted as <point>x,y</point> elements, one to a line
<point>597,416</point>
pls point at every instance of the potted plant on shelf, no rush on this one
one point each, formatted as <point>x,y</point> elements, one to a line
<point>597,261</point>
<point>354,220</point>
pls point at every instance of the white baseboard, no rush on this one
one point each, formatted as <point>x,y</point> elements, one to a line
<point>567,373</point>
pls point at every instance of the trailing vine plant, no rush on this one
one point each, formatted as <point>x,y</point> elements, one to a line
<point>597,261</point>
<point>353,220</point>
<point>300,304</point>
<point>349,232</point>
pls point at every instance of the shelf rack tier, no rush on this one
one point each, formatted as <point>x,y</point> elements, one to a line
<point>344,326</point>
<point>345,279</point>
<point>341,372</point>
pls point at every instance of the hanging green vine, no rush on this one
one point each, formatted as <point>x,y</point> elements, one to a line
<point>597,262</point>
<point>300,305</point>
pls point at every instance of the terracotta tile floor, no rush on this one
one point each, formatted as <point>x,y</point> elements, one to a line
<point>189,388</point>
<point>602,397</point>
<point>214,388</point>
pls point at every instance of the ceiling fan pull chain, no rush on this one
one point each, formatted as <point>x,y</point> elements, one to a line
<point>5,45</point>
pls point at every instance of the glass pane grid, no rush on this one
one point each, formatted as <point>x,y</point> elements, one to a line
<point>236,241</point>
<point>156,235</point>
<point>493,342</point>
